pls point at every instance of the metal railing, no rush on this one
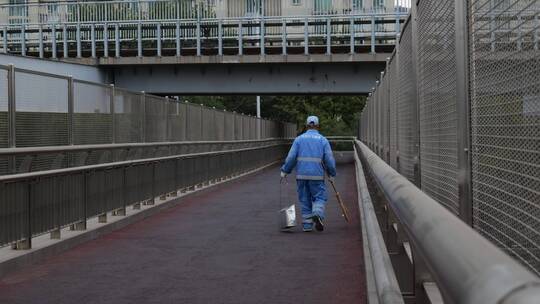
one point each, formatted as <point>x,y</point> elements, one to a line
<point>40,109</point>
<point>456,112</point>
<point>152,10</point>
<point>326,34</point>
<point>39,202</point>
<point>466,267</point>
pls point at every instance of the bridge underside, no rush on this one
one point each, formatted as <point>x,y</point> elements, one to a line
<point>275,78</point>
<point>219,246</point>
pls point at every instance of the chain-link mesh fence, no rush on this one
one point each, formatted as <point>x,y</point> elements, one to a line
<point>503,69</point>
<point>437,84</point>
<point>505,125</point>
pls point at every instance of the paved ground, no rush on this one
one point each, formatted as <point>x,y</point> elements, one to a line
<point>221,246</point>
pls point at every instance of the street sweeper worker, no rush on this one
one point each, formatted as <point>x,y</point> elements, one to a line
<point>311,154</point>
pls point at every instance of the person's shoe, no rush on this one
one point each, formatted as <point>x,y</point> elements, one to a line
<point>319,226</point>
<point>307,227</point>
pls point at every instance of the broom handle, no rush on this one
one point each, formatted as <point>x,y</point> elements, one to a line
<point>344,210</point>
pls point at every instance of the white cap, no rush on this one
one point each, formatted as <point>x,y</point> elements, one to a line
<point>314,120</point>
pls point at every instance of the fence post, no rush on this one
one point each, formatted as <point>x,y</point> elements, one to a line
<point>4,40</point>
<point>93,39</point>
<point>143,118</point>
<point>220,37</point>
<point>177,37</point>
<point>306,37</point>
<point>463,113</point>
<point>240,39</point>
<point>53,38</point>
<point>201,125</point>
<point>116,40</point>
<point>78,40</point>
<point>352,33</point>
<point>12,110</point>
<point>23,41</point>
<point>328,36</point>
<point>65,41</point>
<point>105,40</point>
<point>284,37</point>
<point>198,28</point>
<point>71,103</point>
<point>158,41</point>
<point>139,39</point>
<point>372,32</point>
<point>40,34</point>
<point>113,114</point>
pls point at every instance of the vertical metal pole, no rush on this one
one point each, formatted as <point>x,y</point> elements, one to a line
<point>116,40</point>
<point>71,103</point>
<point>352,33</point>
<point>201,125</point>
<point>463,113</point>
<point>177,37</point>
<point>284,37</point>
<point>40,41</point>
<point>398,25</point>
<point>12,111</point>
<point>65,41</point>
<point>306,37</point>
<point>158,39</point>
<point>53,37</point>
<point>492,24</point>
<point>23,41</point>
<point>143,116</point>
<point>105,40</point>
<point>220,37</point>
<point>258,117</point>
<point>373,32</point>
<point>139,40</point>
<point>93,38</point>
<point>328,36</point>
<point>240,42</point>
<point>520,34</point>
<point>78,39</point>
<point>198,29</point>
<point>5,40</point>
<point>186,120</point>
<point>113,113</point>
<point>262,33</point>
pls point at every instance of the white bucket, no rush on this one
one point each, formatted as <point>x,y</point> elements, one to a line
<point>287,217</point>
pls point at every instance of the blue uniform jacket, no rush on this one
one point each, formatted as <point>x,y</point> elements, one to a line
<point>308,153</point>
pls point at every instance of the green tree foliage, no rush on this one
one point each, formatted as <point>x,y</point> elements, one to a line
<point>338,115</point>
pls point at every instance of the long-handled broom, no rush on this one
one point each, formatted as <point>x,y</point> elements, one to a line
<point>344,210</point>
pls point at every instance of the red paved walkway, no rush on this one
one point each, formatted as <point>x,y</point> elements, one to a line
<point>221,246</point>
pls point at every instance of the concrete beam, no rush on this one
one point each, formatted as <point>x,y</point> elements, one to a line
<point>254,79</point>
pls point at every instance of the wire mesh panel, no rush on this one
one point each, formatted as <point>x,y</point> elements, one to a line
<point>406,106</point>
<point>208,125</point>
<point>13,212</point>
<point>505,125</point>
<point>92,119</point>
<point>393,113</point>
<point>42,110</point>
<point>238,127</point>
<point>155,123</point>
<point>437,78</point>
<point>194,122</point>
<point>177,124</point>
<point>219,125</point>
<point>229,126</point>
<point>128,111</point>
<point>3,107</point>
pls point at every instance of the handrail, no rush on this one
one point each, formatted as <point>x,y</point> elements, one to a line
<point>48,173</point>
<point>468,268</point>
<point>388,290</point>
<point>78,148</point>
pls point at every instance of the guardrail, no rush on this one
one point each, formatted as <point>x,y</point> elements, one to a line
<point>39,202</point>
<point>353,33</point>
<point>466,267</point>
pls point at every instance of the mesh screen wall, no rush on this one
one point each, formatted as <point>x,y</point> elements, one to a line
<point>437,86</point>
<point>129,113</point>
<point>92,119</point>
<point>406,107</point>
<point>3,107</point>
<point>505,125</point>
